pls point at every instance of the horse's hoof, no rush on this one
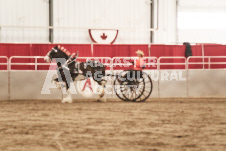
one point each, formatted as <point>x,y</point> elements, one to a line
<point>101,100</point>
<point>66,100</point>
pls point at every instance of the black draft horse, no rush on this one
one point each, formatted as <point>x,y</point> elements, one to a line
<point>67,70</point>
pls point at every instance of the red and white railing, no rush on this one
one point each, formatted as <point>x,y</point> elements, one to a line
<point>201,62</point>
<point>4,62</point>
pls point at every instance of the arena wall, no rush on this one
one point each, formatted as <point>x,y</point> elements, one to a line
<point>175,85</point>
<point>201,75</point>
<point>28,85</point>
<point>206,83</point>
<point>4,95</point>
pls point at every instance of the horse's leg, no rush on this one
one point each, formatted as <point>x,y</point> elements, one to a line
<point>57,83</point>
<point>103,83</point>
<point>101,97</point>
<point>68,98</point>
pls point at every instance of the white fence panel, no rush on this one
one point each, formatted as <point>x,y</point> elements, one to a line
<point>27,85</point>
<point>4,94</point>
<point>173,83</point>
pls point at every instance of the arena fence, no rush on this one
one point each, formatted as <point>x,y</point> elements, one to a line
<point>180,80</point>
<point>4,78</point>
<point>35,64</point>
<point>3,63</point>
<point>208,62</point>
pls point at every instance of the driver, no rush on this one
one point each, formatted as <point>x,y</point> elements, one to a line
<point>136,71</point>
<point>139,64</point>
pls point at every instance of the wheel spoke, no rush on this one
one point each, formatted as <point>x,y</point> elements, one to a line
<point>139,89</point>
<point>127,95</point>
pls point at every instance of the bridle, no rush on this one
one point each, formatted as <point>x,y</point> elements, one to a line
<point>48,58</point>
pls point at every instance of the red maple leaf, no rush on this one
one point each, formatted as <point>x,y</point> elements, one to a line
<point>103,36</point>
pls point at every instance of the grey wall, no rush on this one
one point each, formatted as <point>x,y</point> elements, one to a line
<point>28,85</point>
<point>4,95</point>
<point>206,83</point>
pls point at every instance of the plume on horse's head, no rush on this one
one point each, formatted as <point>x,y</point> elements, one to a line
<point>57,52</point>
<point>56,47</point>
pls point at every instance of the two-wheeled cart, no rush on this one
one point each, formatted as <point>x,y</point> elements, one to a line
<point>133,86</point>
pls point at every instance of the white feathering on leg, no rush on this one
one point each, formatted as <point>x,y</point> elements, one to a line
<point>101,95</point>
<point>68,99</point>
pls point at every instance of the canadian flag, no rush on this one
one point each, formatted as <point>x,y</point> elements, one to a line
<point>103,36</point>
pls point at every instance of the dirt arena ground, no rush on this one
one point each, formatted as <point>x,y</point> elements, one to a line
<point>158,124</point>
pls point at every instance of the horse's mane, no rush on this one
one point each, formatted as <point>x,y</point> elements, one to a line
<point>67,53</point>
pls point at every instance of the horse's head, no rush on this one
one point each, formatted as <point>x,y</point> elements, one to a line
<point>55,53</point>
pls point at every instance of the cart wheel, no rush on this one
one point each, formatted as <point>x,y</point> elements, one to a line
<point>147,88</point>
<point>136,90</point>
<point>118,86</point>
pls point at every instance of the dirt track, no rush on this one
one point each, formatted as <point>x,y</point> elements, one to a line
<point>156,125</point>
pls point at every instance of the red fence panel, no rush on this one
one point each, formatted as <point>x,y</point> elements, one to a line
<point>118,50</point>
<point>215,50</point>
<point>38,50</point>
<point>41,49</point>
<point>169,51</point>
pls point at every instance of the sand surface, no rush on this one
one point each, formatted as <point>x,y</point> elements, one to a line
<point>159,124</point>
